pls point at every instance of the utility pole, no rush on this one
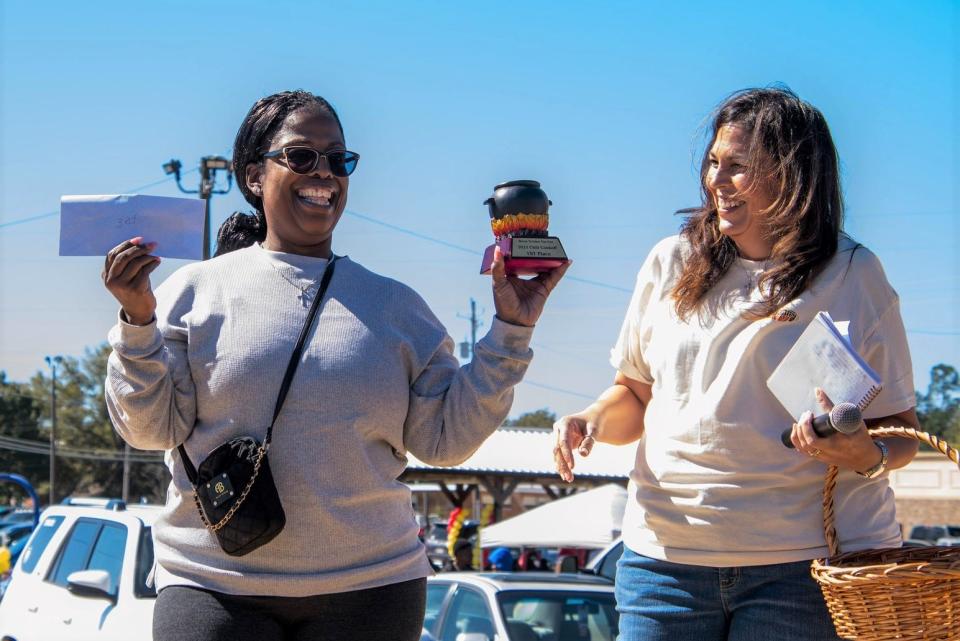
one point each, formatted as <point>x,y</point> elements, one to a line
<point>52,362</point>
<point>209,166</point>
<point>474,324</point>
<point>126,473</point>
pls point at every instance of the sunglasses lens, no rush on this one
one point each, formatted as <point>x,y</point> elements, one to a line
<point>342,163</point>
<point>301,160</point>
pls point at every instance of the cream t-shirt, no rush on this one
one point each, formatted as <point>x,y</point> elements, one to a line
<point>712,483</point>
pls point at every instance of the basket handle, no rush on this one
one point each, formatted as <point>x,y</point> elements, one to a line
<point>829,526</point>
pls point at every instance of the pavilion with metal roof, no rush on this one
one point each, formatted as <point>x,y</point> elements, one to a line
<point>515,455</point>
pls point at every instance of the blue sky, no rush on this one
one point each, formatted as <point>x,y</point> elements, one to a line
<point>601,103</point>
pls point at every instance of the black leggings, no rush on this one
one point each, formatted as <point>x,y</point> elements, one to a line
<point>388,613</point>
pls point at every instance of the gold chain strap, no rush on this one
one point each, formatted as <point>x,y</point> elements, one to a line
<point>243,495</point>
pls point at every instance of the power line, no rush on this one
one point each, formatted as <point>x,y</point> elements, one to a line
<point>30,219</point>
<point>49,214</point>
<point>557,389</point>
<point>432,239</point>
<point>82,403</point>
<point>94,454</point>
<point>461,248</point>
<point>410,232</point>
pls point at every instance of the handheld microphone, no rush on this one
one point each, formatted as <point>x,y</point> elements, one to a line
<point>844,417</point>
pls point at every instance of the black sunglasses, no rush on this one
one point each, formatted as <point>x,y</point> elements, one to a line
<point>304,160</point>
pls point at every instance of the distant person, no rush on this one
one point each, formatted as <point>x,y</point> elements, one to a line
<point>462,560</point>
<point>722,520</point>
<point>535,562</point>
<point>500,559</point>
<point>202,361</point>
<point>528,560</point>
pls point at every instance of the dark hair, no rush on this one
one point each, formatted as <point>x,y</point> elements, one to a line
<point>253,138</point>
<point>240,230</point>
<point>792,149</point>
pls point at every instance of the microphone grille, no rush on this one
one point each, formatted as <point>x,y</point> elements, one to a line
<point>846,417</point>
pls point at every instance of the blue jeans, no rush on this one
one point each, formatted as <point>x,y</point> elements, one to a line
<point>659,600</point>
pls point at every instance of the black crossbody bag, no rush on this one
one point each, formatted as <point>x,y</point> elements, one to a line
<point>233,487</point>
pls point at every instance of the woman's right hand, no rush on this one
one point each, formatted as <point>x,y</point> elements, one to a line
<point>126,273</point>
<point>573,432</point>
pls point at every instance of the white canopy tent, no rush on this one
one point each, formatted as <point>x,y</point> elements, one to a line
<point>589,519</point>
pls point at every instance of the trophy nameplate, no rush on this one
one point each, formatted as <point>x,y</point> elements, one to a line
<point>519,218</point>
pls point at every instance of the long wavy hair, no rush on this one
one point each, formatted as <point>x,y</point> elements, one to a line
<point>791,151</point>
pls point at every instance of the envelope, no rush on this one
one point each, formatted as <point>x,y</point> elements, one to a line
<point>93,225</point>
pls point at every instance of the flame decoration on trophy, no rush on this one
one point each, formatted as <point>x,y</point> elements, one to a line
<point>519,218</point>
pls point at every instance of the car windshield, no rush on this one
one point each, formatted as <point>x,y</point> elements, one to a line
<point>19,516</point>
<point>953,530</point>
<point>559,614</point>
<point>927,532</point>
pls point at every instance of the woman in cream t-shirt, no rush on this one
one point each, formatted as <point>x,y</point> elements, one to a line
<point>722,519</point>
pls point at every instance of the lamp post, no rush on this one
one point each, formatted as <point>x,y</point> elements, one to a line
<point>52,362</point>
<point>209,166</point>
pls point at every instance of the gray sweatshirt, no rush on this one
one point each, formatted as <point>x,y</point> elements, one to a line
<point>378,378</point>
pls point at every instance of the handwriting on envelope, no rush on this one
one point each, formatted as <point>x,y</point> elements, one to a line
<point>93,225</point>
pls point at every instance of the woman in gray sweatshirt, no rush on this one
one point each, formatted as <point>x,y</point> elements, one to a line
<point>201,361</point>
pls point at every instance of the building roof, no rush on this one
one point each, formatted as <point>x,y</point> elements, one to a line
<point>520,451</point>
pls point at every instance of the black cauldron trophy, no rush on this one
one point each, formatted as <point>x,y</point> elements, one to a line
<point>518,217</point>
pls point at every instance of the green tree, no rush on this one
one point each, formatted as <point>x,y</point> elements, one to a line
<point>19,418</point>
<point>939,408</point>
<point>83,423</point>
<point>539,418</point>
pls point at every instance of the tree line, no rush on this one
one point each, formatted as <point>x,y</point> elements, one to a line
<point>84,425</point>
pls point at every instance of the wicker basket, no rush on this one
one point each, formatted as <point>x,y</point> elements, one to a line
<point>893,593</point>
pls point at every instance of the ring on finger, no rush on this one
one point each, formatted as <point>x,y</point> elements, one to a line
<point>814,452</point>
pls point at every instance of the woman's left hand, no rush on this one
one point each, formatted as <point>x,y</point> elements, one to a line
<point>520,301</point>
<point>855,451</point>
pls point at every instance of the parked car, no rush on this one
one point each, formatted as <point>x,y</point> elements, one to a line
<point>18,515</point>
<point>85,573</point>
<point>916,543</point>
<point>604,563</point>
<point>524,606</point>
<point>7,509</point>
<point>436,540</point>
<point>934,533</point>
<point>14,538</point>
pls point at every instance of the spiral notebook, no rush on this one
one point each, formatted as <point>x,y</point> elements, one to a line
<point>822,357</point>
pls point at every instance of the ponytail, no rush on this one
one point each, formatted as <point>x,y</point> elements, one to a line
<point>240,230</point>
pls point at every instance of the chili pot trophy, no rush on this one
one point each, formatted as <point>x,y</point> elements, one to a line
<point>518,217</point>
